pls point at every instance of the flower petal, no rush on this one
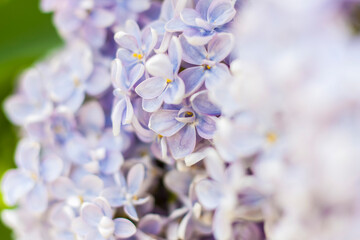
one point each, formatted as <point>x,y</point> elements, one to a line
<point>15,184</point>
<point>183,142</point>
<point>62,188</point>
<point>175,53</point>
<point>193,79</point>
<point>192,54</point>
<point>115,196</point>
<point>220,46</point>
<point>27,155</point>
<point>216,74</point>
<point>175,25</point>
<point>91,214</point>
<point>51,168</point>
<point>206,127</point>
<point>209,193</point>
<point>163,122</point>
<point>160,66</point>
<point>37,198</point>
<point>221,12</point>
<point>175,91</point>
<point>99,80</point>
<point>197,36</point>
<point>135,178</point>
<point>201,103</point>
<point>151,87</point>
<point>126,41</point>
<point>124,228</point>
<point>131,212</point>
<point>188,16</point>
<point>102,18</point>
<point>91,117</point>
<point>152,105</point>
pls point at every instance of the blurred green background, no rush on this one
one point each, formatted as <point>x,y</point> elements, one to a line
<point>26,35</point>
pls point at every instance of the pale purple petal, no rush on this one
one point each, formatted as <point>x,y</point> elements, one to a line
<point>151,87</point>
<point>163,122</point>
<point>206,126</point>
<point>75,100</point>
<point>185,228</point>
<point>51,168</point>
<point>102,18</point>
<point>99,81</point>
<point>221,12</point>
<point>201,103</point>
<point>175,91</point>
<point>77,150</point>
<point>192,54</point>
<point>62,188</point>
<point>115,196</point>
<point>66,21</point>
<point>131,212</point>
<point>216,74</point>
<point>112,163</point>
<point>220,46</point>
<point>175,25</point>
<point>183,142</point>
<point>127,41</point>
<point>222,225</point>
<point>80,227</point>
<point>91,214</point>
<point>135,73</point>
<point>15,184</point>
<point>188,16</point>
<point>151,224</point>
<point>182,180</point>
<point>202,7</point>
<point>135,178</point>
<point>209,193</point>
<point>175,54</point>
<point>27,155</point>
<point>124,228</point>
<point>37,198</point>
<point>193,79</point>
<point>149,38</point>
<point>152,105</point>
<point>215,166</point>
<point>197,36</point>
<point>160,66</point>
<point>91,117</point>
<point>91,185</point>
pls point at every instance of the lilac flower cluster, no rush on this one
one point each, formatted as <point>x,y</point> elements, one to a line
<point>189,119</point>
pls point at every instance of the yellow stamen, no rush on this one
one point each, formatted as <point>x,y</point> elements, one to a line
<point>135,197</point>
<point>160,136</point>
<point>138,56</point>
<point>188,114</point>
<point>208,67</point>
<point>168,80</point>
<point>77,82</point>
<point>34,176</point>
<point>271,137</point>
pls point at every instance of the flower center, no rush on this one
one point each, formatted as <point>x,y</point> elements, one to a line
<point>138,56</point>
<point>271,137</point>
<point>189,114</point>
<point>77,81</point>
<point>168,80</point>
<point>206,67</point>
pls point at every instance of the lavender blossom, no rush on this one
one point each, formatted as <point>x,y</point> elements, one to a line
<point>199,25</point>
<point>96,222</point>
<point>209,68</point>
<point>165,85</point>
